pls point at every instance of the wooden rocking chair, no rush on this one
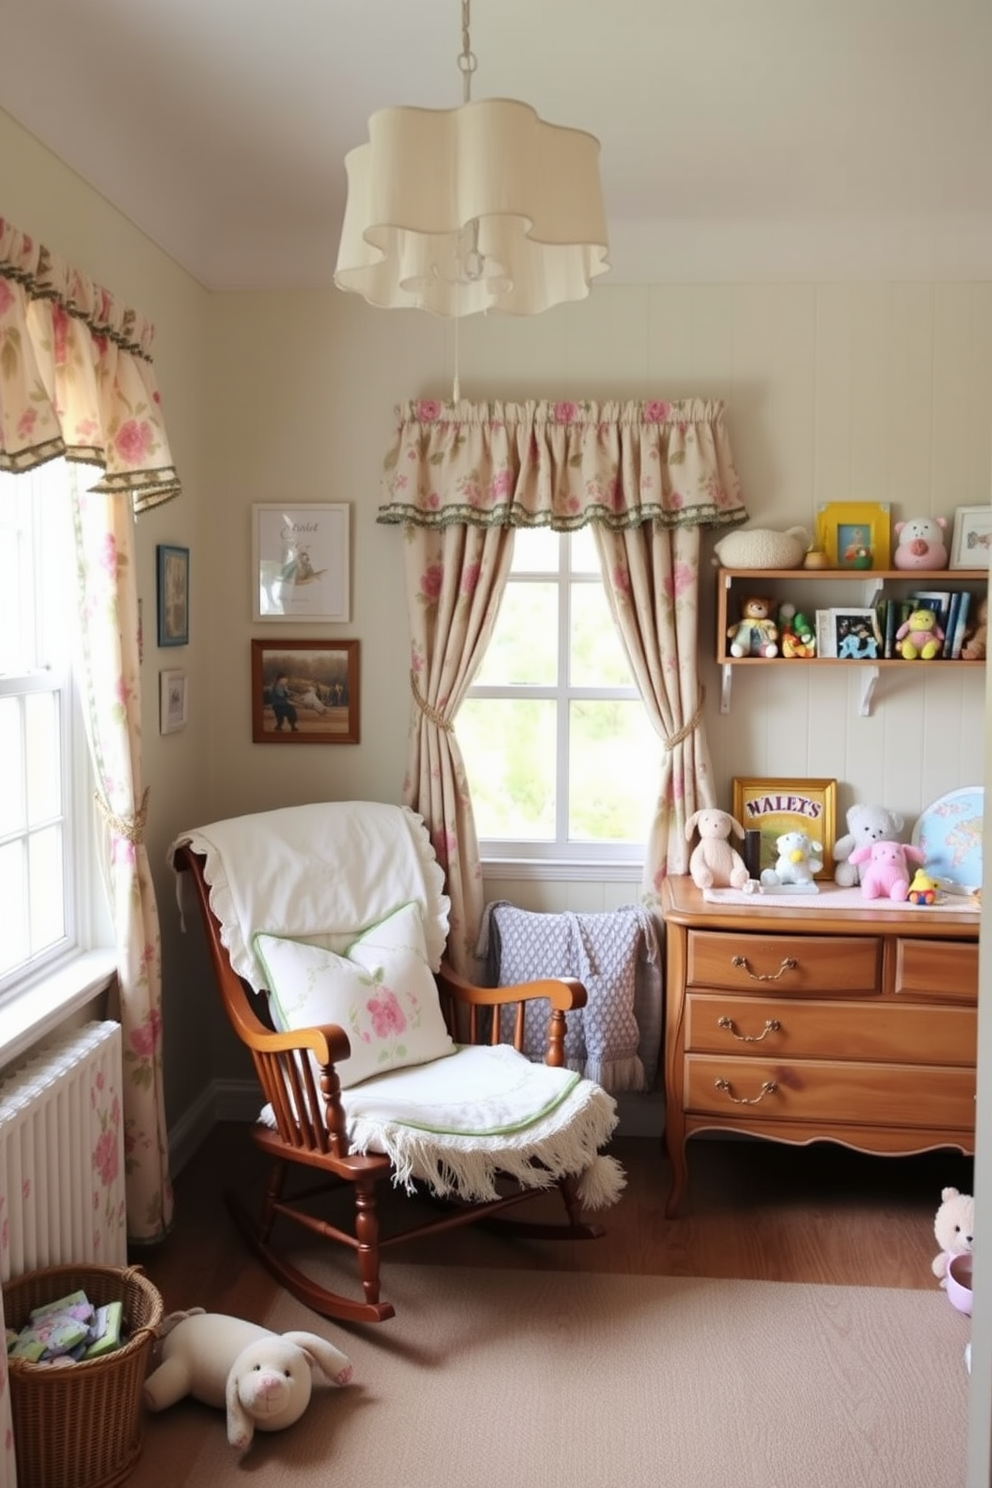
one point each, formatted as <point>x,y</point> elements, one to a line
<point>300,1072</point>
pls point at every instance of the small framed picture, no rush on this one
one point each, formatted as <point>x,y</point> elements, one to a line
<point>304,692</point>
<point>300,562</point>
<point>173,595</point>
<point>856,634</point>
<point>972,537</point>
<point>774,807</point>
<point>855,534</point>
<point>172,702</point>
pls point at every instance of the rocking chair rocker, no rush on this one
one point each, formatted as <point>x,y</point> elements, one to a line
<point>326,927</point>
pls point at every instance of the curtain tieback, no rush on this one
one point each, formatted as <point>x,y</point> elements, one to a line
<point>130,827</point>
<point>426,709</point>
<point>690,727</point>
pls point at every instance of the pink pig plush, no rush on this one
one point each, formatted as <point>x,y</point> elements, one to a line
<point>887,873</point>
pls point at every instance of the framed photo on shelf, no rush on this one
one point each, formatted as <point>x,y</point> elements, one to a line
<point>854,534</point>
<point>772,807</point>
<point>300,562</point>
<point>173,595</point>
<point>172,702</point>
<point>304,692</point>
<point>972,537</point>
<point>856,634</point>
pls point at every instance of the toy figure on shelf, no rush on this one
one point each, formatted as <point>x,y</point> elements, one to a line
<point>920,637</point>
<point>921,543</point>
<point>756,633</point>
<point>923,889</point>
<point>796,635</point>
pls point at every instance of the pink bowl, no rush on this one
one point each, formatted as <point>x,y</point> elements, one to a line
<point>959,1281</point>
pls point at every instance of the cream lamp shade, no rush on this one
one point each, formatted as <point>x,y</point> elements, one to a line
<point>482,207</point>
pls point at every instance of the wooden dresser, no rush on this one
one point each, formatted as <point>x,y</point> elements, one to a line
<point>854,1025</point>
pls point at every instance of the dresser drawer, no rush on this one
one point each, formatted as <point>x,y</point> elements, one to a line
<point>781,1027</point>
<point>831,1091</point>
<point>937,969</point>
<point>841,965</point>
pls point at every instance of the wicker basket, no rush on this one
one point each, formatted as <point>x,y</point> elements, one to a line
<point>81,1426</point>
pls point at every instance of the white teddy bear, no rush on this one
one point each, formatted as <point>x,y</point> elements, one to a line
<point>263,1379</point>
<point>798,860</point>
<point>865,825</point>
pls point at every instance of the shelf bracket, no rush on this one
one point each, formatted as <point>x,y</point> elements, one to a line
<point>728,673</point>
<point>868,682</point>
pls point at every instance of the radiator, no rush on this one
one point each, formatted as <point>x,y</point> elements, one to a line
<point>62,1155</point>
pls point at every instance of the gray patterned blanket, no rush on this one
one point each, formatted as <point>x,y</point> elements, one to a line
<point>616,1038</point>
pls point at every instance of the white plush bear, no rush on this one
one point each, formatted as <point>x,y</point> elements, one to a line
<point>263,1379</point>
<point>798,860</point>
<point>865,825</point>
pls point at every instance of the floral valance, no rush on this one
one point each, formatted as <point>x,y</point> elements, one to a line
<point>561,465</point>
<point>76,376</point>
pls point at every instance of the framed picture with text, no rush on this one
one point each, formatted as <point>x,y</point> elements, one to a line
<point>775,806</point>
<point>300,565</point>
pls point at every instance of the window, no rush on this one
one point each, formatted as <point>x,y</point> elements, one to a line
<point>41,741</point>
<point>561,757</point>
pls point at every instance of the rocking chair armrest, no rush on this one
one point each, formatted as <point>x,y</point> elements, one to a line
<point>328,1042</point>
<point>564,993</point>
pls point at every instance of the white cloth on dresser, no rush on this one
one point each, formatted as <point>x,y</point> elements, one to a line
<point>616,1038</point>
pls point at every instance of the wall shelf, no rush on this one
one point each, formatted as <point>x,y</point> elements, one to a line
<point>736,581</point>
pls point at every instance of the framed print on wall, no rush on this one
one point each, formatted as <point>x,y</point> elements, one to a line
<point>172,702</point>
<point>855,534</point>
<point>173,595</point>
<point>300,562</point>
<point>776,806</point>
<point>304,692</point>
<point>972,537</point>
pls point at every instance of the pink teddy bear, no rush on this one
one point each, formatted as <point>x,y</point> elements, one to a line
<point>887,874</point>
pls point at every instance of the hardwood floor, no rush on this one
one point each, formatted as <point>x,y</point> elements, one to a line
<point>753,1210</point>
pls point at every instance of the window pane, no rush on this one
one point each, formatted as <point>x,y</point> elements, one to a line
<point>535,550</point>
<point>13,900</point>
<point>44,888</point>
<point>596,657</point>
<point>608,801</point>
<point>509,750</point>
<point>524,647</point>
<point>13,808</point>
<point>44,756</point>
<point>584,555</point>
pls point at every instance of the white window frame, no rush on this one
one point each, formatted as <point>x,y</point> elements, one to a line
<point>528,858</point>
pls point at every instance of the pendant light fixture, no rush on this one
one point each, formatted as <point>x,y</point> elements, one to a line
<point>482,207</point>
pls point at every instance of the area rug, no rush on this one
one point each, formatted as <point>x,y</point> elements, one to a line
<point>530,1379</point>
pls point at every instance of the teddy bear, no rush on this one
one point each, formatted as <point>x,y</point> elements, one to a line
<point>954,1227</point>
<point>920,636</point>
<point>976,638</point>
<point>798,860</point>
<point>755,633</point>
<point>921,543</point>
<point>715,863</point>
<point>887,874</point>
<point>865,824</point>
<point>262,1379</point>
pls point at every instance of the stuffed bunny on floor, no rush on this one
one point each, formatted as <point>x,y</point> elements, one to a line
<point>262,1379</point>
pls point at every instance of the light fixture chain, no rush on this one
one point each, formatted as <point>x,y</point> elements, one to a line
<point>466,62</point>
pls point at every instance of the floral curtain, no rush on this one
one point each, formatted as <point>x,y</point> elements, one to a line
<point>76,380</point>
<point>648,476</point>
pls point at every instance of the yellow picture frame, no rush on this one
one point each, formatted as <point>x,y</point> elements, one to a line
<point>855,534</point>
<point>775,806</point>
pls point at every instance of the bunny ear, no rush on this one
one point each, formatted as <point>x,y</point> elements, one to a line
<point>240,1427</point>
<point>737,827</point>
<point>690,825</point>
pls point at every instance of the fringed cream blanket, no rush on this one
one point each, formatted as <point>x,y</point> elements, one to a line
<point>458,1123</point>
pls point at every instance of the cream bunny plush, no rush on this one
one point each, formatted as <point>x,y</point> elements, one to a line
<point>262,1379</point>
<point>715,863</point>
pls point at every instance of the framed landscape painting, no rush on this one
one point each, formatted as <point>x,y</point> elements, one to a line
<point>774,806</point>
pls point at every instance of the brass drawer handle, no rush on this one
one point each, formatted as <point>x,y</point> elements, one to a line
<point>772,1025</point>
<point>789,963</point>
<point>768,1088</point>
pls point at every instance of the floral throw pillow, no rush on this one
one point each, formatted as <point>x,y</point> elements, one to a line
<point>380,991</point>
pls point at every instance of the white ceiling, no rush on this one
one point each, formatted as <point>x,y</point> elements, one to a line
<point>731,130</point>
